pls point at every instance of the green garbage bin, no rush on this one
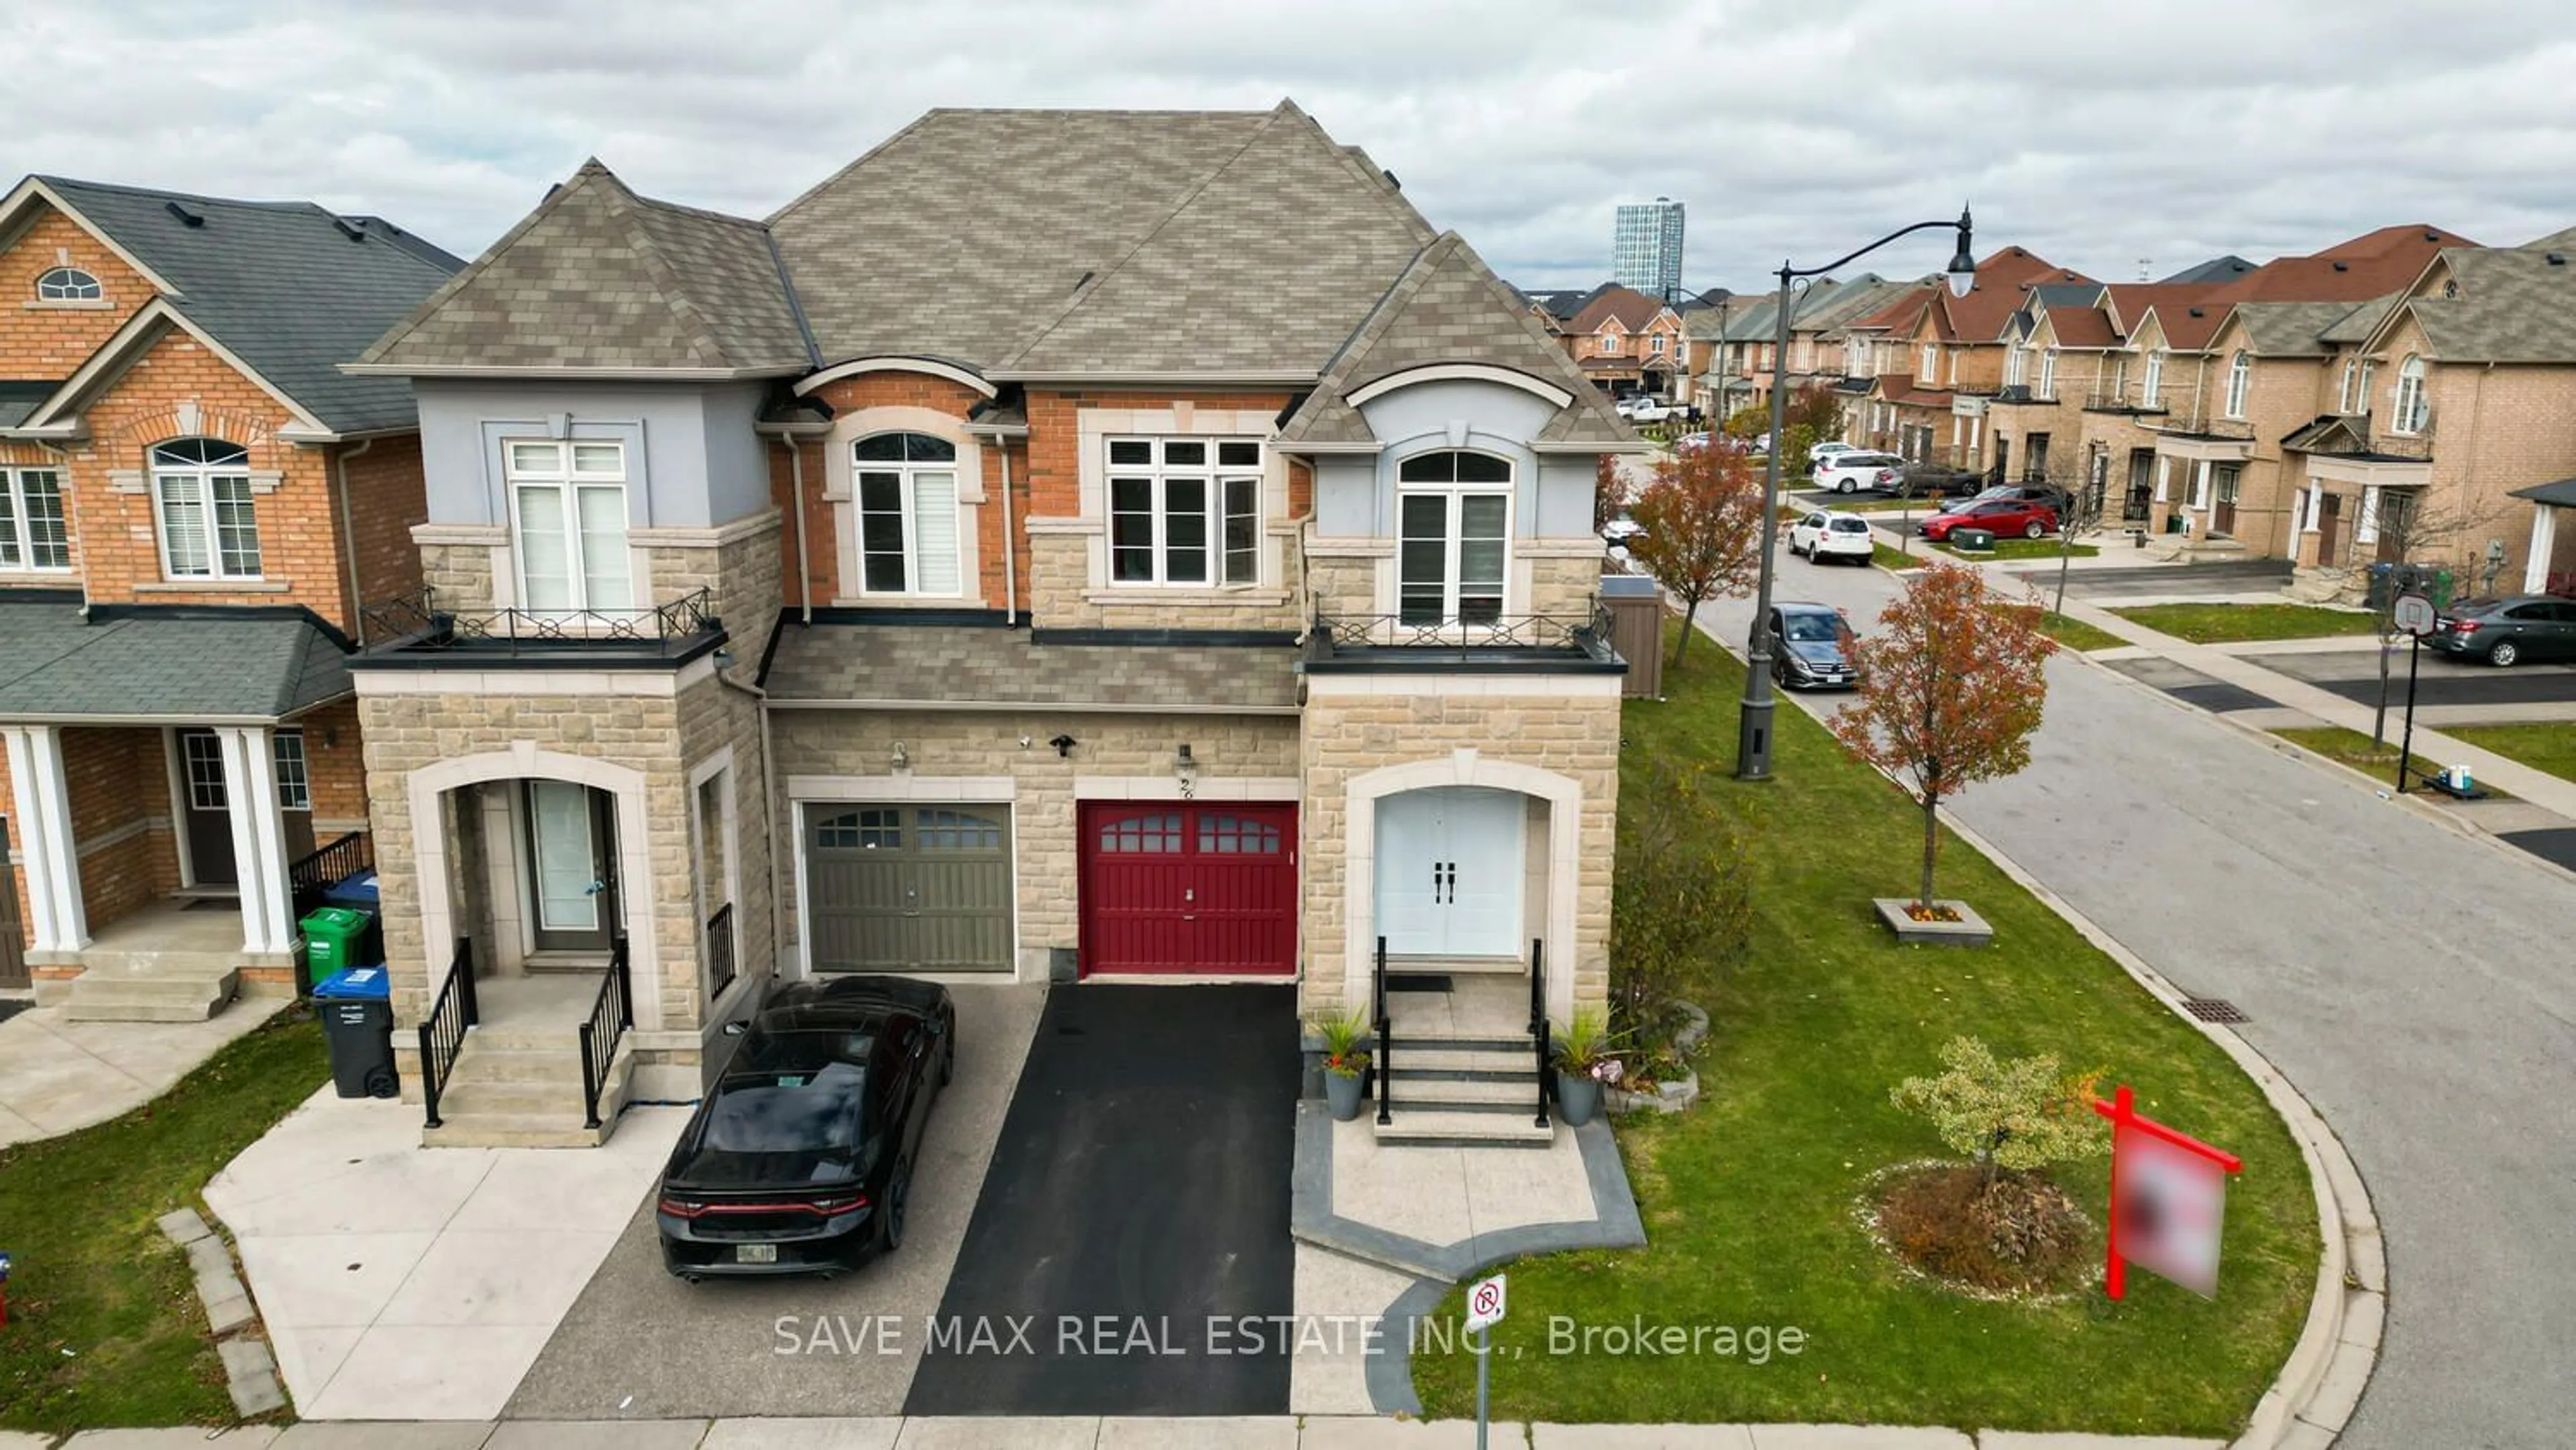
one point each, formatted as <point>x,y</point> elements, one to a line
<point>332,935</point>
<point>1969,541</point>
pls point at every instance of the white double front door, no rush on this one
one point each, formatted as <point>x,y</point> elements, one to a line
<point>1449,867</point>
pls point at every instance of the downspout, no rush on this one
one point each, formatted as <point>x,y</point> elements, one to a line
<point>768,819</point>
<point>1010,545</point>
<point>349,541</point>
<point>804,561</point>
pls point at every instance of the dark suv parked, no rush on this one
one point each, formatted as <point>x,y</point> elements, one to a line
<point>1918,480</point>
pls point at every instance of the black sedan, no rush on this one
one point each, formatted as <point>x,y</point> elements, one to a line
<point>2508,631</point>
<point>800,1160</point>
<point>1811,646</point>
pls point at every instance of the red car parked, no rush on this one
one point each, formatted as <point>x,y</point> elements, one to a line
<point>2008,517</point>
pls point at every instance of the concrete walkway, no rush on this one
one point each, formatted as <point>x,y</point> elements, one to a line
<point>57,1076</point>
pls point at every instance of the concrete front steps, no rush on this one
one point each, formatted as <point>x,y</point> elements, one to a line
<point>520,1087</point>
<point>152,990</point>
<point>1463,1090</point>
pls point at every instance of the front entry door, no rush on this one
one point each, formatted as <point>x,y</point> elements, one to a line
<point>210,816</point>
<point>571,866</point>
<point>2329,527</point>
<point>1449,865</point>
<point>2142,486</point>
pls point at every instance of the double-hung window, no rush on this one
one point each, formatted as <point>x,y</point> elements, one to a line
<point>2413,410</point>
<point>1453,537</point>
<point>906,485</point>
<point>1184,511</point>
<point>2240,374</point>
<point>32,533</point>
<point>570,501</point>
<point>202,499</point>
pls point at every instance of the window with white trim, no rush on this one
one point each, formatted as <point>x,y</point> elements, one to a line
<point>905,485</point>
<point>2048,373</point>
<point>1931,362</point>
<point>68,284</point>
<point>1184,511</point>
<point>2016,367</point>
<point>294,778</point>
<point>201,500</point>
<point>32,532</point>
<point>2240,375</point>
<point>1610,344</point>
<point>2351,386</point>
<point>2151,392</point>
<point>568,518</point>
<point>2412,411</point>
<point>1655,344</point>
<point>1453,537</point>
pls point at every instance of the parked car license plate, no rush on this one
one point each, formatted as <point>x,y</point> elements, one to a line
<point>755,1253</point>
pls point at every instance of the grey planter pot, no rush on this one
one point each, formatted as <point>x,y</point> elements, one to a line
<point>1345,1094</point>
<point>1578,1098</point>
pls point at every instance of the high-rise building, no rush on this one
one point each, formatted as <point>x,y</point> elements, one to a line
<point>1646,248</point>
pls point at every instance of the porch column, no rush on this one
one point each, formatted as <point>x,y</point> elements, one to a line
<point>42,809</point>
<point>259,838</point>
<point>2316,493</point>
<point>2544,543</point>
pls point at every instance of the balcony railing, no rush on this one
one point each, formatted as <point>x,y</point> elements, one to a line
<point>1578,641</point>
<point>2102,397</point>
<point>414,622</point>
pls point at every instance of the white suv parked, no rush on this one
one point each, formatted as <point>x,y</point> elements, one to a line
<point>1854,471</point>
<point>1825,534</point>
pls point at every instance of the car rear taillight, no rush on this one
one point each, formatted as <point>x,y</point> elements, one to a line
<point>1885,475</point>
<point>680,1207</point>
<point>2460,626</point>
<point>823,1207</point>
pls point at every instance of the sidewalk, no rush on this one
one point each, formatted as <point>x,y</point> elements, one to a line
<point>57,1076</point>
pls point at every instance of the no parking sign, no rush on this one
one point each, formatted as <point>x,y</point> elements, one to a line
<point>1485,1304</point>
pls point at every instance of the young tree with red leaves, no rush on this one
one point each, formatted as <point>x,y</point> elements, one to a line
<point>1950,691</point>
<point>1703,525</point>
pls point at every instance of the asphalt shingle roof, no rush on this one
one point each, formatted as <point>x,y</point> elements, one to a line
<point>598,277</point>
<point>2514,306</point>
<point>1003,669</point>
<point>2290,329</point>
<point>282,285</point>
<point>177,665</point>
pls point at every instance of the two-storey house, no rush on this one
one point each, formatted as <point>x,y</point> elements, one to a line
<point>1115,546</point>
<point>193,501</point>
<point>1626,341</point>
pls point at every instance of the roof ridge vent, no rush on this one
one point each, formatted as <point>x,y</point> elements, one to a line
<point>1084,280</point>
<point>186,217</point>
<point>2343,266</point>
<point>352,230</point>
<point>2555,259</point>
<point>2196,312</point>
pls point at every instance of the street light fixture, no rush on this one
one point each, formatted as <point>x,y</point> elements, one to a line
<point>1753,727</point>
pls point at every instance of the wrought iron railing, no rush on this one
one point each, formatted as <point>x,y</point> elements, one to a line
<point>1538,1026</point>
<point>1384,1027</point>
<point>414,621</point>
<point>719,949</point>
<point>611,1013</point>
<point>327,866</point>
<point>442,1032</point>
<point>1503,631</point>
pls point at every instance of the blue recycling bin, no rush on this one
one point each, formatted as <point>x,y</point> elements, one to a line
<point>357,1011</point>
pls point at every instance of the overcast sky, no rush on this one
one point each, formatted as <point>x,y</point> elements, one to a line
<point>2096,135</point>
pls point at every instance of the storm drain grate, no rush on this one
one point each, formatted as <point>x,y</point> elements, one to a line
<point>2214,1009</point>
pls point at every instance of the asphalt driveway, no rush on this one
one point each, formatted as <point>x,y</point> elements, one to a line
<point>1140,1187</point>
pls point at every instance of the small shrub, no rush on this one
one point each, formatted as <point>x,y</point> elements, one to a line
<point>2021,1115</point>
<point>1343,1055</point>
<point>1681,911</point>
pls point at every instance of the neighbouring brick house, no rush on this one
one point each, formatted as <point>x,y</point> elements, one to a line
<point>1104,545</point>
<point>1626,341</point>
<point>193,501</point>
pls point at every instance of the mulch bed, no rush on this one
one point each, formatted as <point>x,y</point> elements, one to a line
<point>2007,1233</point>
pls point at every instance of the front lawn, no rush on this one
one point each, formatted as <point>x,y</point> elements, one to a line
<point>1749,1197</point>
<point>2542,747</point>
<point>2351,747</point>
<point>2078,636</point>
<point>2222,623</point>
<point>2022,549</point>
<point>104,1324</point>
<point>1886,557</point>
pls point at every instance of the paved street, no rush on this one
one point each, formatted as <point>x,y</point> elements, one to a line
<point>2409,980</point>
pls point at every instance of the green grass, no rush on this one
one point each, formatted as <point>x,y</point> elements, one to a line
<point>1748,1198</point>
<point>2022,549</point>
<point>2553,749</point>
<point>2078,636</point>
<point>2220,623</point>
<point>2351,747</point>
<point>2542,747</point>
<point>1886,557</point>
<point>104,1325</point>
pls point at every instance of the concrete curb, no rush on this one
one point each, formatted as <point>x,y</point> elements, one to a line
<point>250,1371</point>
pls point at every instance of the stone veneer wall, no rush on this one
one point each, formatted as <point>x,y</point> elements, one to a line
<point>1348,735</point>
<point>1563,585</point>
<point>742,574</point>
<point>459,576</point>
<point>951,744</point>
<point>1060,579</point>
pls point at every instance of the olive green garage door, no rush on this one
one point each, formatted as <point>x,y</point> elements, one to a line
<point>909,888</point>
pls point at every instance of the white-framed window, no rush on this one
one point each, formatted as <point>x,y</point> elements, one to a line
<point>2151,392</point>
<point>294,779</point>
<point>1655,344</point>
<point>2365,530</point>
<point>1184,511</point>
<point>1610,344</point>
<point>905,487</point>
<point>68,284</point>
<point>202,501</point>
<point>2016,367</point>
<point>2351,388</point>
<point>32,532</point>
<point>2048,373</point>
<point>568,501</point>
<point>1453,537</point>
<point>2240,374</point>
<point>2413,409</point>
<point>1931,362</point>
<point>2119,378</point>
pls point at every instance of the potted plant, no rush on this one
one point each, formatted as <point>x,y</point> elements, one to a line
<point>1584,1066</point>
<point>1346,1063</point>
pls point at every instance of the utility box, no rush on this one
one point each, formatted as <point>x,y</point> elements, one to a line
<point>1972,541</point>
<point>1636,605</point>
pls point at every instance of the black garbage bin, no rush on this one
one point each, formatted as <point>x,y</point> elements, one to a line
<point>357,1013</point>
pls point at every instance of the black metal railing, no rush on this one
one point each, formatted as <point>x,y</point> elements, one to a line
<point>329,865</point>
<point>414,622</point>
<point>1538,1021</point>
<point>442,1032</point>
<point>1503,631</point>
<point>611,1013</point>
<point>719,951</point>
<point>1385,1031</point>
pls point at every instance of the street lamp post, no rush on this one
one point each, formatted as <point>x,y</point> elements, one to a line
<point>1753,726</point>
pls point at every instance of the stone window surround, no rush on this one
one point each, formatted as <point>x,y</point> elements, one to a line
<point>503,505</point>
<point>840,491</point>
<point>719,766</point>
<point>1093,427</point>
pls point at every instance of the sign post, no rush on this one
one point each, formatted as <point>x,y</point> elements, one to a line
<point>2414,616</point>
<point>2168,1201</point>
<point>1484,1311</point>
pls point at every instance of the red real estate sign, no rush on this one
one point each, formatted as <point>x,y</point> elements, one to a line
<point>2168,1201</point>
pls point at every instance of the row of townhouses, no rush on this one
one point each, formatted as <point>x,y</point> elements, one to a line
<point>2405,394</point>
<point>1106,545</point>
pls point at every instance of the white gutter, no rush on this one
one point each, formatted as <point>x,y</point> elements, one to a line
<point>349,541</point>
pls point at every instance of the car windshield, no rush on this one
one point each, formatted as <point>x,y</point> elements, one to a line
<point>1851,526</point>
<point>1811,628</point>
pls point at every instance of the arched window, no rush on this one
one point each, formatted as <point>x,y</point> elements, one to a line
<point>1453,537</point>
<point>68,284</point>
<point>2240,372</point>
<point>202,500</point>
<point>2048,373</point>
<point>2413,410</point>
<point>2351,387</point>
<point>2151,391</point>
<point>2016,367</point>
<point>905,485</point>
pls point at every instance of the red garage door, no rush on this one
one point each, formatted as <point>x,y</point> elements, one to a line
<point>1168,887</point>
